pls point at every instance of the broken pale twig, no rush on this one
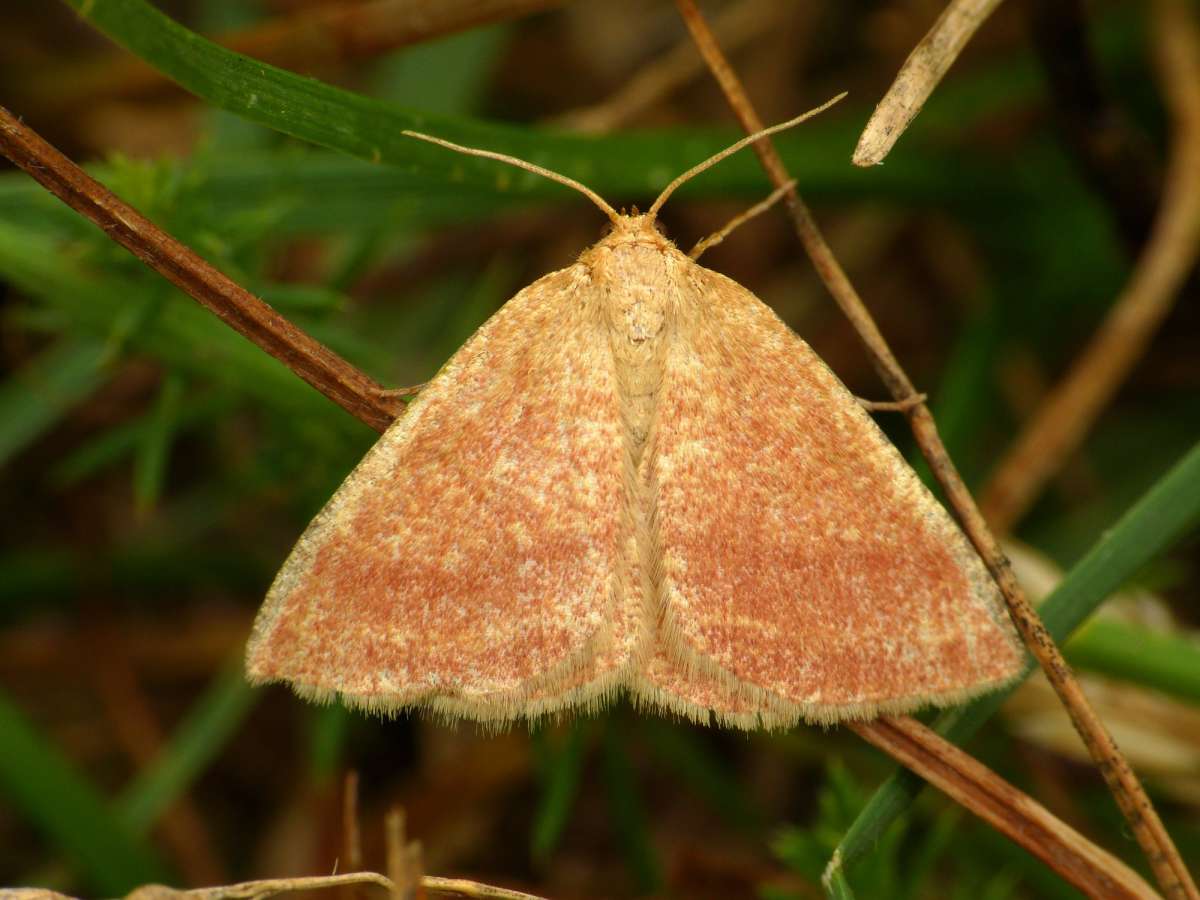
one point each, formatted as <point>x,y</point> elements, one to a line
<point>1128,792</point>
<point>919,75</point>
<point>1011,812</point>
<point>1064,418</point>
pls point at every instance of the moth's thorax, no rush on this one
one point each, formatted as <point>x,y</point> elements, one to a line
<point>636,275</point>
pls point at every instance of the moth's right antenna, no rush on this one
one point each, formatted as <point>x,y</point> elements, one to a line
<point>527,166</point>
<point>729,151</point>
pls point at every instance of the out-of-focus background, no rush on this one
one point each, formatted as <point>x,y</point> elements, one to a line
<point>155,468</point>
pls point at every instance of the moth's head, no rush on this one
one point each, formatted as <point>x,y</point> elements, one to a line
<point>634,227</point>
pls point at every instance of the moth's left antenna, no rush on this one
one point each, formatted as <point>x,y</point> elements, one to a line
<point>527,166</point>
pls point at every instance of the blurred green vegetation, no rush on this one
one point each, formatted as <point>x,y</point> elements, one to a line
<point>157,466</point>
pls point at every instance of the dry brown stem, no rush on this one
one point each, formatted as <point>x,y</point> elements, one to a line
<point>234,305</point>
<point>920,74</point>
<point>1065,416</point>
<point>1026,822</point>
<point>1128,792</point>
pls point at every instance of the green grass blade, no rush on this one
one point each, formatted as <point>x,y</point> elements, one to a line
<point>1151,526</point>
<point>1166,662</point>
<point>119,441</point>
<point>328,730</point>
<point>35,398</point>
<point>202,735</point>
<point>629,814</point>
<point>150,460</point>
<point>683,753</point>
<point>837,887</point>
<point>561,766</point>
<point>48,790</point>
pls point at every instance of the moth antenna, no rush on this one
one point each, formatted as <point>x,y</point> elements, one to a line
<point>729,151</point>
<point>757,209</point>
<point>522,164</point>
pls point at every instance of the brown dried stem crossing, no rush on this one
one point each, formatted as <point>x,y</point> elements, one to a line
<point>1128,792</point>
<point>245,313</point>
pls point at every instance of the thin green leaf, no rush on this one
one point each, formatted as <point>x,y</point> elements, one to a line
<point>561,765</point>
<point>302,298</point>
<point>1148,529</point>
<point>48,790</point>
<point>327,730</point>
<point>119,441</point>
<point>33,399</point>
<point>150,461</point>
<point>1166,662</point>
<point>837,887</point>
<point>194,744</point>
<point>963,402</point>
<point>629,815</point>
<point>683,751</point>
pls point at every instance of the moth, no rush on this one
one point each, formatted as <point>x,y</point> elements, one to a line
<point>635,479</point>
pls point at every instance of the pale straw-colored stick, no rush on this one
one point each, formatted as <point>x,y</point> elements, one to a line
<point>919,75</point>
